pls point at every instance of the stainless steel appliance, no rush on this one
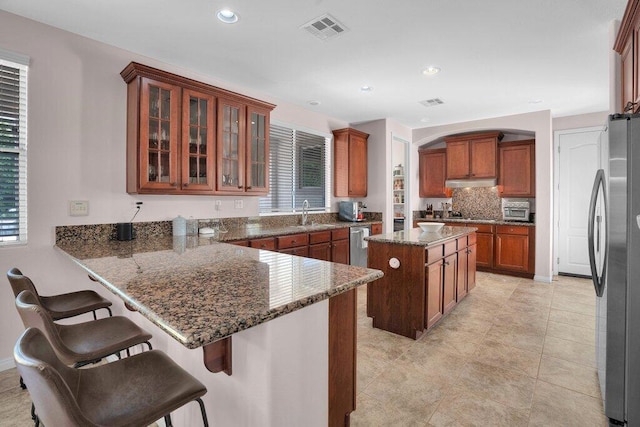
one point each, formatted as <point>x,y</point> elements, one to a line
<point>351,211</point>
<point>614,254</point>
<point>358,246</point>
<point>515,210</point>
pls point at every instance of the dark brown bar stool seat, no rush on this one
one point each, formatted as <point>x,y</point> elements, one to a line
<point>135,391</point>
<point>81,343</point>
<point>60,306</point>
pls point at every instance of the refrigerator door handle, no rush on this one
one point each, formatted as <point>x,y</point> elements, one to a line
<point>598,280</point>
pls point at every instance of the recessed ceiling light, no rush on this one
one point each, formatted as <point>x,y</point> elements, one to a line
<point>535,101</point>
<point>430,71</point>
<point>425,120</point>
<point>227,16</point>
<point>366,88</point>
<point>313,102</point>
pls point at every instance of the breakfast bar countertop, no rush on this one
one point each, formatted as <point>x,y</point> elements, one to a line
<point>416,237</point>
<point>200,291</point>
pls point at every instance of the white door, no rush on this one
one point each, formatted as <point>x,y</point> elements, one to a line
<point>579,158</point>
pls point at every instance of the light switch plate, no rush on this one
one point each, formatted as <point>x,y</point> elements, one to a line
<point>78,207</point>
<point>239,204</point>
<point>638,220</point>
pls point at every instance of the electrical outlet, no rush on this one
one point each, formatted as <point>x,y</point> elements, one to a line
<point>78,207</point>
<point>218,204</point>
<point>239,204</point>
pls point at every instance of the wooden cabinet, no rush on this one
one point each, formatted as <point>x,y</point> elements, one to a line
<point>627,44</point>
<point>512,248</point>
<point>450,269</point>
<point>432,173</point>
<point>415,294</point>
<point>484,250</point>
<point>517,169</point>
<point>462,275</point>
<point>340,246</point>
<point>243,148</point>
<point>471,267</point>
<point>376,229</point>
<point>434,277</point>
<point>350,163</point>
<point>320,245</point>
<point>473,156</point>
<point>187,137</point>
<point>267,243</point>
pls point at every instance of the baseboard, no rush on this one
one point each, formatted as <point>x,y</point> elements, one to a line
<point>545,279</point>
<point>6,364</point>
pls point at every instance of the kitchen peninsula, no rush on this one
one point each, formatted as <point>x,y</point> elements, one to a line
<point>213,292</point>
<point>425,275</point>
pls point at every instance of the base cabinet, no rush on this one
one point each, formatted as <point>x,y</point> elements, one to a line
<point>484,250</point>
<point>421,288</point>
<point>433,284</point>
<point>450,269</point>
<point>471,266</point>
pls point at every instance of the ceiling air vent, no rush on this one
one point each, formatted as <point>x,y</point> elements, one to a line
<point>325,27</point>
<point>432,102</point>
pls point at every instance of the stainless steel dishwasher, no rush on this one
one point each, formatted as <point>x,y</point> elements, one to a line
<point>358,246</point>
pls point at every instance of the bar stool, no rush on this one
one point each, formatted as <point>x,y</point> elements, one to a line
<point>81,343</point>
<point>60,306</point>
<point>135,391</point>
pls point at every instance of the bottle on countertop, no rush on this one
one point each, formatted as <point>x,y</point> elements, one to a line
<point>179,226</point>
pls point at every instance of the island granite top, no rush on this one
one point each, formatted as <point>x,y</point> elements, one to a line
<point>199,290</point>
<point>416,237</point>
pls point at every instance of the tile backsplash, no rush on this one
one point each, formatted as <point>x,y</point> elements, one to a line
<point>478,202</point>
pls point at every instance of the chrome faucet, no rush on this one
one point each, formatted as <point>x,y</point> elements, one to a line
<point>305,211</point>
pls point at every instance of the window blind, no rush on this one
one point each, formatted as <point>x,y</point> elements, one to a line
<point>13,150</point>
<point>299,167</point>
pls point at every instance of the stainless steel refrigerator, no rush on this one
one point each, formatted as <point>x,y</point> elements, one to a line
<point>614,252</point>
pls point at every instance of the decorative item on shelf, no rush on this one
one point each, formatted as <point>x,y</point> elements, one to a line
<point>398,170</point>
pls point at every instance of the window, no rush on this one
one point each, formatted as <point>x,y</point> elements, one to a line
<point>299,169</point>
<point>13,148</point>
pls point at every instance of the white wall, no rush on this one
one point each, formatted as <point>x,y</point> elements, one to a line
<point>538,122</point>
<point>580,121</point>
<point>77,124</point>
<point>380,169</point>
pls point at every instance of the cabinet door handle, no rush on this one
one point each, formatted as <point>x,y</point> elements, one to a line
<point>240,187</point>
<point>186,184</point>
<point>445,263</point>
<point>174,184</point>
<point>248,188</point>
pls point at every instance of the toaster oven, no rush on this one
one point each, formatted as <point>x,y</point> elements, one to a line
<point>515,210</point>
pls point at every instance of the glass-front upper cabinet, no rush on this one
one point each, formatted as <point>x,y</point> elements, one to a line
<point>231,146</point>
<point>258,151</point>
<point>159,138</point>
<point>198,133</point>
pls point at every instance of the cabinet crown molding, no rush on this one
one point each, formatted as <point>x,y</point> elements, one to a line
<point>350,131</point>
<point>467,136</point>
<point>135,69</point>
<point>626,25</point>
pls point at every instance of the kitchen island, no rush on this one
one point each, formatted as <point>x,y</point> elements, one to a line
<point>285,368</point>
<point>425,275</point>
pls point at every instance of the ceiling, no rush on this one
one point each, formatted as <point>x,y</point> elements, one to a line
<point>497,57</point>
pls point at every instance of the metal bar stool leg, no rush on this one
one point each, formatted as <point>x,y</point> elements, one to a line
<point>33,412</point>
<point>203,411</point>
<point>167,420</point>
<point>22,384</point>
<point>94,315</point>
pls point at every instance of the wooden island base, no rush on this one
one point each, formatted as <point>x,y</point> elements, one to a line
<point>422,281</point>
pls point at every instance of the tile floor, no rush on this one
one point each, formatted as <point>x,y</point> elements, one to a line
<point>514,352</point>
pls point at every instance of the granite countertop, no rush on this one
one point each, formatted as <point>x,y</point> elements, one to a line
<point>199,290</point>
<point>476,221</point>
<point>258,231</point>
<point>416,237</point>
